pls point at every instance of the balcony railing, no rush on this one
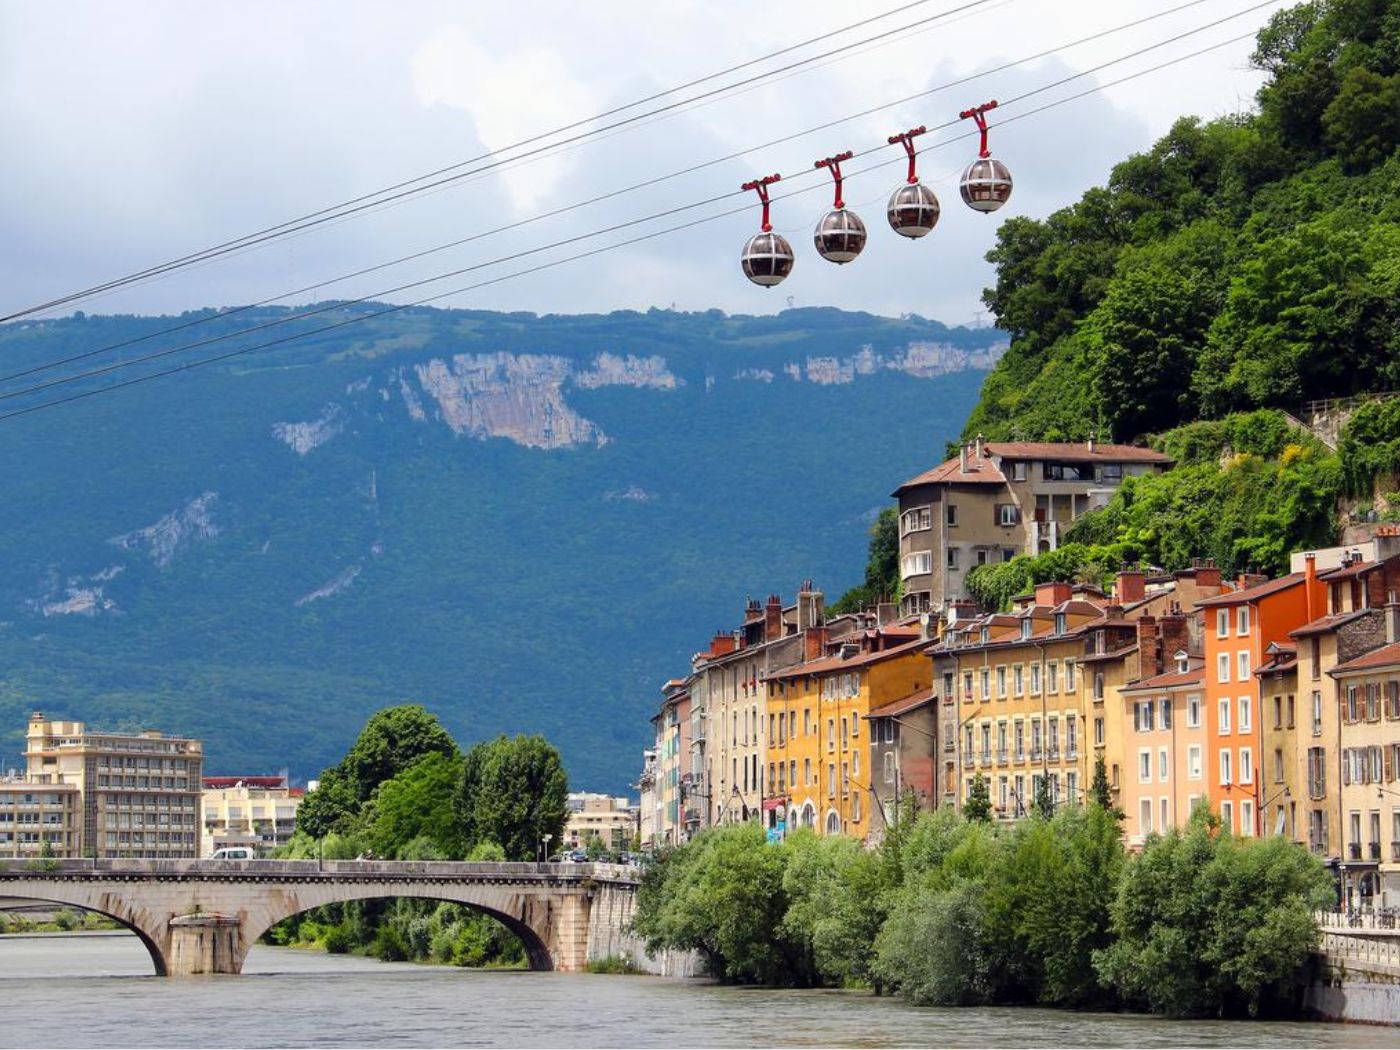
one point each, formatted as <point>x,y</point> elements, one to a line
<point>969,759</point>
<point>1036,753</point>
<point>1072,753</point>
<point>1354,850</point>
<point>1374,850</point>
<point>1002,756</point>
<point>984,758</point>
<point>1053,752</point>
<point>1020,754</point>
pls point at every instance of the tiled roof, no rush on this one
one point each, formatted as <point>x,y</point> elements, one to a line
<point>1169,680</point>
<point>1075,452</point>
<point>1385,656</point>
<point>903,705</point>
<point>979,472</point>
<point>1327,623</point>
<point>835,663</point>
<point>1346,572</point>
<point>1249,594</point>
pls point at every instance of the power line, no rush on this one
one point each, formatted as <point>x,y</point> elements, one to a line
<point>408,188</point>
<point>86,355</point>
<point>397,308</point>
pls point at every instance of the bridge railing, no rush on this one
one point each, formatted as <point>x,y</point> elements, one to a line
<point>356,868</point>
<point>1360,950</point>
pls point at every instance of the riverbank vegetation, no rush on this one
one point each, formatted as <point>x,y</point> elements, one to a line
<point>65,920</point>
<point>1049,911</point>
<point>406,791</point>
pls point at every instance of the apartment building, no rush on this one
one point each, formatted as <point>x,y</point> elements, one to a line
<point>1281,783</point>
<point>649,804</point>
<point>1164,750</point>
<point>997,500</point>
<point>612,819</point>
<point>255,811</point>
<point>39,820</point>
<point>818,757</point>
<point>137,795</point>
<point>904,758</point>
<point>1370,768</point>
<point>672,771</point>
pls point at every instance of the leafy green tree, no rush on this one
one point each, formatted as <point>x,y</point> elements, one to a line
<point>393,739</point>
<point>331,808</point>
<point>1362,123</point>
<point>978,805</point>
<point>417,804</point>
<point>1044,800</point>
<point>1100,793</point>
<point>1207,924</point>
<point>512,792</point>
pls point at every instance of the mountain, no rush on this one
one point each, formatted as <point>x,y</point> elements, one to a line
<point>525,522</point>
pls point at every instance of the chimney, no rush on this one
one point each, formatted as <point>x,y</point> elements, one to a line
<point>1208,577</point>
<point>1175,630</point>
<point>1309,584</point>
<point>1246,580</point>
<point>722,644</point>
<point>1131,586</point>
<point>1392,619</point>
<point>1053,593</point>
<point>962,459</point>
<point>980,446</point>
<point>813,643</point>
<point>1091,441</point>
<point>811,607</point>
<point>753,612</point>
<point>773,618</point>
<point>1150,647</point>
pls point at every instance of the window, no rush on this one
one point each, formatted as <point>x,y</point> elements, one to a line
<point>1242,620</point>
<point>1007,515</point>
<point>1247,817</point>
<point>1193,762</point>
<point>1316,713</point>
<point>1246,714</point>
<point>1222,623</point>
<point>1227,816</point>
<point>1278,765</point>
<point>1002,793</point>
<point>1224,716</point>
<point>1018,679</point>
<point>831,734</point>
<point>1001,683</point>
<point>1222,667</point>
<point>1242,658</point>
<point>1145,816</point>
<point>807,771</point>
<point>1018,471</point>
<point>1035,679</point>
<point>917,519</point>
<point>1226,768</point>
<point>1317,772</point>
<point>1278,712</point>
<point>950,514</point>
<point>1019,735</point>
<point>1246,765</point>
<point>1193,711</point>
<point>1098,732</point>
<point>1071,737</point>
<point>1072,787</point>
<point>919,563</point>
<point>1098,685</point>
<point>855,726</point>
<point>1144,766</point>
<point>1052,677</point>
<point>1007,553</point>
<point>1052,735</point>
<point>1069,676</point>
<point>889,730</point>
<point>986,683</point>
<point>1163,769</point>
<point>831,780</point>
<point>952,557</point>
<point>981,556</point>
<point>967,684</point>
<point>889,767</point>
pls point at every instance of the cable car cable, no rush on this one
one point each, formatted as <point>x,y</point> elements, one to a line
<point>396,308</point>
<point>402,189</point>
<point>207,318</point>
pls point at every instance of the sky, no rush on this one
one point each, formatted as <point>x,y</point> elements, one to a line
<point>138,133</point>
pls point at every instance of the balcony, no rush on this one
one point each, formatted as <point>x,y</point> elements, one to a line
<point>1318,848</point>
<point>1373,850</point>
<point>1036,753</point>
<point>984,759</point>
<point>1071,754</point>
<point>1354,850</point>
<point>948,745</point>
<point>1002,756</point>
<point>1020,755</point>
<point>969,759</point>
<point>1053,752</point>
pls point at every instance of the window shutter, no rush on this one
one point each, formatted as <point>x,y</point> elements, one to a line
<point>1389,770</point>
<point>1346,768</point>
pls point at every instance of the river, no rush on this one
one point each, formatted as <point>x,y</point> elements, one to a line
<point>75,990</point>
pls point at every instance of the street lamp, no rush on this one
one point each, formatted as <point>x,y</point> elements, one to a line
<point>544,847</point>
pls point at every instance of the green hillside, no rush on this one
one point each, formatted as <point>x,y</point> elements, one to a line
<point>264,551</point>
<point>1247,262</point>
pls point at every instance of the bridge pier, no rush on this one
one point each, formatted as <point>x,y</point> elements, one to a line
<point>204,943</point>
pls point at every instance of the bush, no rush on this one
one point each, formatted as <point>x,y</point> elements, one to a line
<point>338,940</point>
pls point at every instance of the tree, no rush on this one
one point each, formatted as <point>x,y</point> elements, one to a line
<point>1100,793</point>
<point>1044,800</point>
<point>979,802</point>
<point>417,804</point>
<point>393,739</point>
<point>1210,925</point>
<point>513,792</point>
<point>331,808</point>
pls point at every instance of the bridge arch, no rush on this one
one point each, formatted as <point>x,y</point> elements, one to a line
<point>116,909</point>
<point>519,913</point>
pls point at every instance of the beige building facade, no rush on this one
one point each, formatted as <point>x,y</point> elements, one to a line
<point>255,811</point>
<point>137,794</point>
<point>612,819</point>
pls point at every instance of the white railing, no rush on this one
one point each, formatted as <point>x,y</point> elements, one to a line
<point>1384,921</point>
<point>1360,950</point>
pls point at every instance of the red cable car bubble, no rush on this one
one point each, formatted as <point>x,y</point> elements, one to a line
<point>840,235</point>
<point>986,182</point>
<point>768,257</point>
<point>913,209</point>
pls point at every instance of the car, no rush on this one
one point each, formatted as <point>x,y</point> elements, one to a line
<point>578,856</point>
<point>233,853</point>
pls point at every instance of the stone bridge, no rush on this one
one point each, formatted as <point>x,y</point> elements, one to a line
<point>201,916</point>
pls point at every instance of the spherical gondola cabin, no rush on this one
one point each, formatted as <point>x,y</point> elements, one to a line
<point>913,210</point>
<point>767,259</point>
<point>986,184</point>
<point>840,236</point>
